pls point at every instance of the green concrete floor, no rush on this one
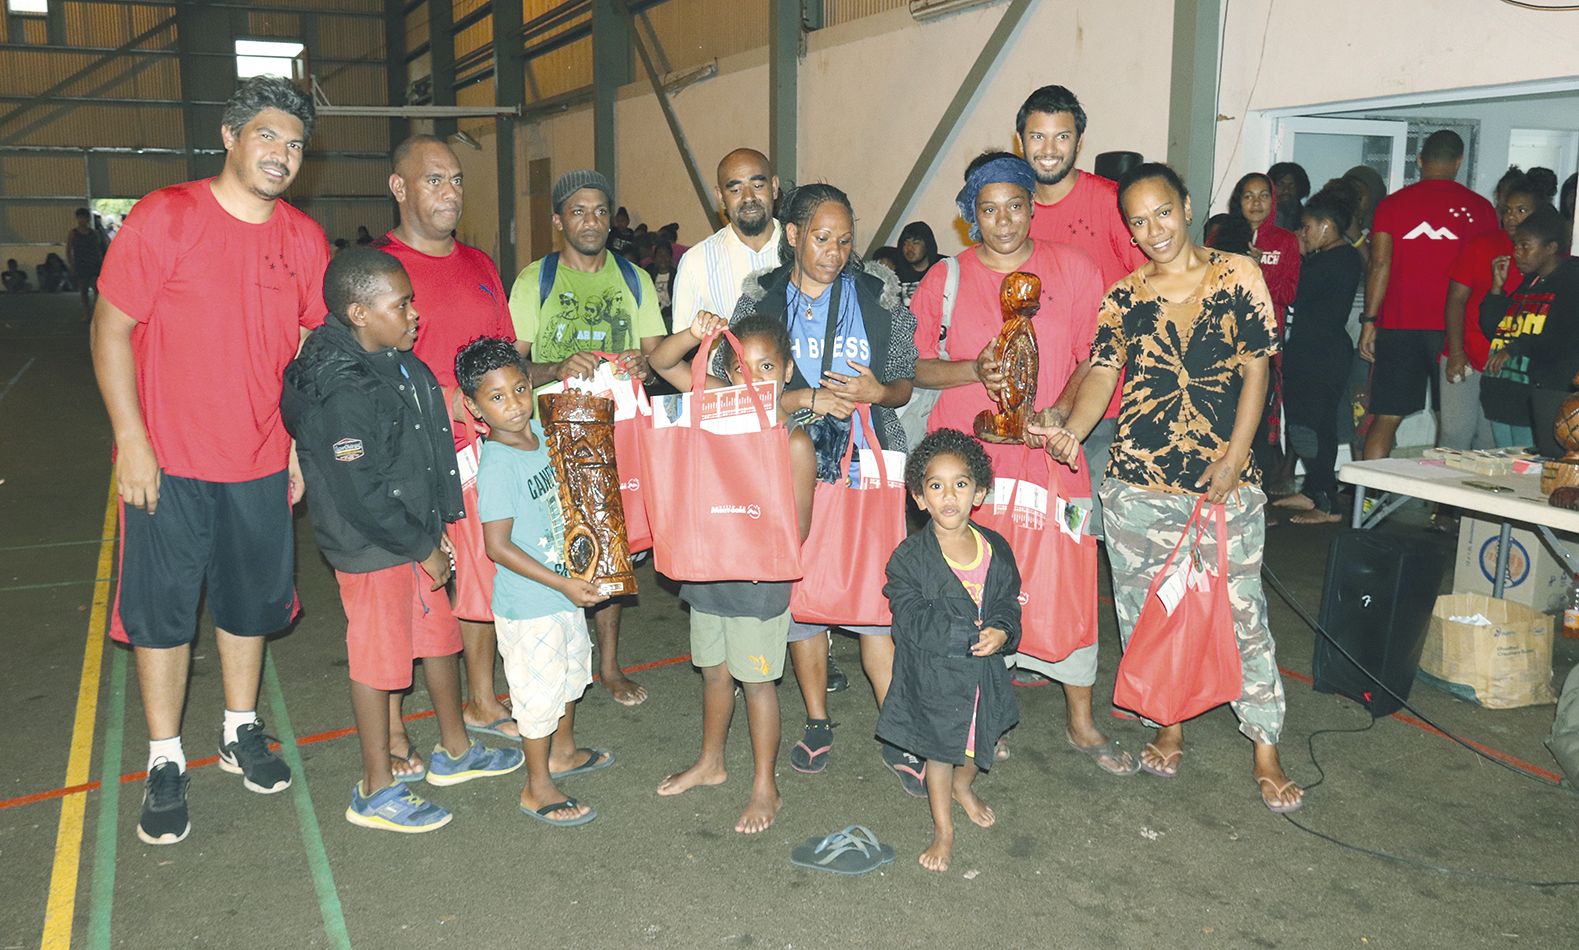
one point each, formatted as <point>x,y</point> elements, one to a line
<point>1078,858</point>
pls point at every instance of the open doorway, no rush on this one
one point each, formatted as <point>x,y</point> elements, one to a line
<point>1530,125</point>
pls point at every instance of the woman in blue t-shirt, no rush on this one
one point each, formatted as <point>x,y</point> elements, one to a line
<point>854,344</point>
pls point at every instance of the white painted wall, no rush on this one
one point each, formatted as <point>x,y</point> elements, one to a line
<point>1386,48</point>
<point>871,93</point>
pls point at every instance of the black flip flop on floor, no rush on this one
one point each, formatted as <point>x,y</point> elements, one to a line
<point>850,852</point>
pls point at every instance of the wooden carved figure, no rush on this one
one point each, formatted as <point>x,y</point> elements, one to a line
<point>580,431</point>
<point>1560,479</point>
<point>1015,349</point>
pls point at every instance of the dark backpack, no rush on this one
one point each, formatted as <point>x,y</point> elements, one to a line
<point>545,277</point>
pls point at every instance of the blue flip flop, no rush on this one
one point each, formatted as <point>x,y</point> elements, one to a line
<point>850,852</point>
<point>492,729</point>
<point>541,814</point>
<point>597,761</point>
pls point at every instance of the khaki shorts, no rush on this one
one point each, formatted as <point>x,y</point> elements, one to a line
<point>753,649</point>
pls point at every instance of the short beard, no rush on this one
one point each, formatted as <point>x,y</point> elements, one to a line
<point>586,245</point>
<point>1056,177</point>
<point>752,226</point>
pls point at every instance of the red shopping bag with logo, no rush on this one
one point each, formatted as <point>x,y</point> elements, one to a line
<point>721,505</point>
<point>627,460</point>
<point>1183,657</point>
<point>1057,555</point>
<point>853,532</point>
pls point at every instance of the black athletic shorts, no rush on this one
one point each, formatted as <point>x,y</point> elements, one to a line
<point>1405,372</point>
<point>235,537</point>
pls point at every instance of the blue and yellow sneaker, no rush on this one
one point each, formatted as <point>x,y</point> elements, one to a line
<point>395,808</point>
<point>478,761</point>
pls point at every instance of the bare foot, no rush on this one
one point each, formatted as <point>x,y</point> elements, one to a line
<point>975,808</point>
<point>936,856</point>
<point>759,814</point>
<point>1313,516</point>
<point>626,691</point>
<point>1295,502</point>
<point>698,774</point>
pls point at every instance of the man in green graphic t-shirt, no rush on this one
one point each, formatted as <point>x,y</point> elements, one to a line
<point>593,301</point>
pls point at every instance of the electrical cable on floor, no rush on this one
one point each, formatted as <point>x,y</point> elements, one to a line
<point>1316,626</point>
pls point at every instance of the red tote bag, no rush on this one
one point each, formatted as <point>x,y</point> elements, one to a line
<point>627,460</point>
<point>1183,661</point>
<point>853,532</point>
<point>721,506</point>
<point>1057,560</point>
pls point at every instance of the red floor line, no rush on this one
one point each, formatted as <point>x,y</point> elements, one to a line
<point>1407,719</point>
<point>131,777</point>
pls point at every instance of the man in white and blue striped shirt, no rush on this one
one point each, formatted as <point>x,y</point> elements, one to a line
<point>711,272</point>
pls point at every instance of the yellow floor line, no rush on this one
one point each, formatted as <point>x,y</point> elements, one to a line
<point>61,909</point>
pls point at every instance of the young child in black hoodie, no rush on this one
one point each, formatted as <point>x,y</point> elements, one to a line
<point>954,590</point>
<point>372,433</point>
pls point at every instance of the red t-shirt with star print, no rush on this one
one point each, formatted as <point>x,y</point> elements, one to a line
<point>220,305</point>
<point>1430,221</point>
<point>1088,218</point>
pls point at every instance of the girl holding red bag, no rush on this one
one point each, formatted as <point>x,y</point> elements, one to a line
<point>854,344</point>
<point>1193,330</point>
<point>738,628</point>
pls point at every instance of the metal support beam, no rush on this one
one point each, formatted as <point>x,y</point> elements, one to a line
<point>201,28</point>
<point>611,69</point>
<point>784,38</point>
<point>441,47</point>
<point>1192,108</point>
<point>509,73</point>
<point>703,195</point>
<point>395,67</point>
<point>440,113</point>
<point>969,93</point>
<point>92,67</point>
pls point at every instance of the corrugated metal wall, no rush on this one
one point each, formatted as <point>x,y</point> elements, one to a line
<point>86,112</point>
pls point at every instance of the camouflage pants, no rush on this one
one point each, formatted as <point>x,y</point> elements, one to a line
<point>1143,527</point>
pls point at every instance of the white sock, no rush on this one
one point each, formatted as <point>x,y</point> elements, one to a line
<point>168,749</point>
<point>235,720</point>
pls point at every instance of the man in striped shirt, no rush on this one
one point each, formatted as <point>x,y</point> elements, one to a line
<point>710,273</point>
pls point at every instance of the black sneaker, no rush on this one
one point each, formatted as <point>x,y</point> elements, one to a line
<point>164,818</point>
<point>837,680</point>
<point>250,757</point>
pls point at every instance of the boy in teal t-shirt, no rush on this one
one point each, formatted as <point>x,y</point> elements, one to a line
<point>537,607</point>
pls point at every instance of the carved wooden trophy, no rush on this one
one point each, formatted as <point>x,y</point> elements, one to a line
<point>1015,349</point>
<point>1560,478</point>
<point>580,431</point>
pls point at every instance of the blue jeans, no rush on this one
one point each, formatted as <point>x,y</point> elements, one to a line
<point>1511,436</point>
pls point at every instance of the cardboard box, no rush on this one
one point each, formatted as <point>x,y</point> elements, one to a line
<point>1537,578</point>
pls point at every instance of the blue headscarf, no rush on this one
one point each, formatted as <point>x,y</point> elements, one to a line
<point>1007,169</point>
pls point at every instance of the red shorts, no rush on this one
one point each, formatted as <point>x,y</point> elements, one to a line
<point>473,570</point>
<point>393,619</point>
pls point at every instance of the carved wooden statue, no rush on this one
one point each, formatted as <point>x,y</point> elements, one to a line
<point>1015,349</point>
<point>580,431</point>
<point>1560,478</point>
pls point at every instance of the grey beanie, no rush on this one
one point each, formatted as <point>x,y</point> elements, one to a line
<point>573,181</point>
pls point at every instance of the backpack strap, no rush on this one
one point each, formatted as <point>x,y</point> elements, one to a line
<point>545,277</point>
<point>550,268</point>
<point>950,291</point>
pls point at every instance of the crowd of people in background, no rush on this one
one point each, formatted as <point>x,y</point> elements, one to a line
<point>1166,368</point>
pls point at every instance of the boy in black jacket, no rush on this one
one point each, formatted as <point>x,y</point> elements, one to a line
<point>954,589</point>
<point>374,441</point>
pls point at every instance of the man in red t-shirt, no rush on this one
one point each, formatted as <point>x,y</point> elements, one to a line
<point>1078,209</point>
<point>458,290</point>
<point>1415,236</point>
<point>205,296</point>
<point>1464,424</point>
<point>996,202</point>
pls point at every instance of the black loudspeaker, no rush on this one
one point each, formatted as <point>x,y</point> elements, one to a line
<point>1376,603</point>
<point>1114,164</point>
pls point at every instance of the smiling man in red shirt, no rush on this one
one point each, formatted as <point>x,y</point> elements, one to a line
<point>205,296</point>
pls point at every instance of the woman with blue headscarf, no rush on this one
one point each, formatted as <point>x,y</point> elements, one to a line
<point>997,203</point>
